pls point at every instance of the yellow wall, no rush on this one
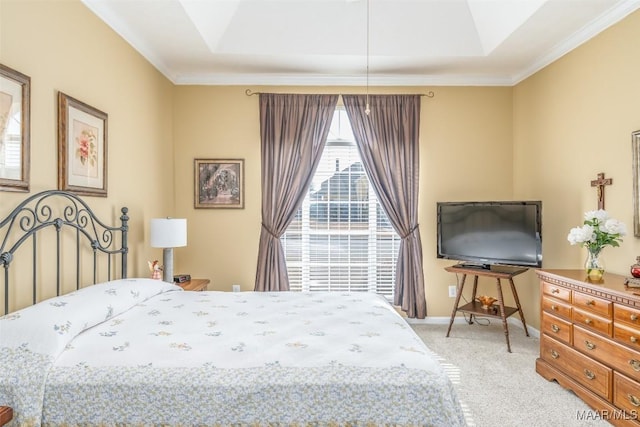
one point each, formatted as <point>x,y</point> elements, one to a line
<point>217,123</point>
<point>573,120</point>
<point>543,139</point>
<point>64,47</point>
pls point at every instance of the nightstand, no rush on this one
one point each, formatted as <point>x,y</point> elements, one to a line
<point>196,285</point>
<point>6,415</point>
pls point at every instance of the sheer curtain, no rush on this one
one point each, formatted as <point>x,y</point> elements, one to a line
<point>387,139</point>
<point>293,132</point>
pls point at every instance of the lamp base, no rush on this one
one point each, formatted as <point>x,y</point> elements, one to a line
<point>167,262</point>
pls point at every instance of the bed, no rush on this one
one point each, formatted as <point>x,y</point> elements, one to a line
<point>136,351</point>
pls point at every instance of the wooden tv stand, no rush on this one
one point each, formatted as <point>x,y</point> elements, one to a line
<point>475,308</point>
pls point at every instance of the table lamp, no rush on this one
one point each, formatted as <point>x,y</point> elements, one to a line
<point>168,233</point>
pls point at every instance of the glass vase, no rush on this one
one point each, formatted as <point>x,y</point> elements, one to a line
<point>594,266</point>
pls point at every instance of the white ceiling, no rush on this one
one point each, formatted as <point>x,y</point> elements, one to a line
<point>324,42</point>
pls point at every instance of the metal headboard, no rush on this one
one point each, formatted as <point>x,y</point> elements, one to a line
<point>60,209</point>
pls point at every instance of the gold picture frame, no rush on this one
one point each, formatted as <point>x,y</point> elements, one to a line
<point>635,156</point>
<point>82,147</point>
<point>219,183</point>
<point>15,117</point>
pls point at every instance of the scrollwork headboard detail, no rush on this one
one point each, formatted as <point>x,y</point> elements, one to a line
<point>60,210</point>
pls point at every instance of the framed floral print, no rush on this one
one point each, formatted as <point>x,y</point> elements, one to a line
<point>219,183</point>
<point>15,92</point>
<point>82,147</point>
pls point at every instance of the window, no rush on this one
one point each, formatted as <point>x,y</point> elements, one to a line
<point>10,147</point>
<point>341,239</point>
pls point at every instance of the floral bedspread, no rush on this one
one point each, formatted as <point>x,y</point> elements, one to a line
<point>174,358</point>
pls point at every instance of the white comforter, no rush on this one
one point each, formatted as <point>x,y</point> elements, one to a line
<point>142,352</point>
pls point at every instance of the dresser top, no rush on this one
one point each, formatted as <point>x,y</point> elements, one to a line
<point>611,286</point>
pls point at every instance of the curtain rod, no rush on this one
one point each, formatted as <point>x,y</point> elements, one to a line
<point>429,94</point>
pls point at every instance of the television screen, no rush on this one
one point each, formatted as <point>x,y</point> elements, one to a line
<point>490,233</point>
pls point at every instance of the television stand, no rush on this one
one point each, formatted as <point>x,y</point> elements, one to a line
<point>474,308</point>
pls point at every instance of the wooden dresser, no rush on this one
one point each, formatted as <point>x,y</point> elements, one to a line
<point>590,341</point>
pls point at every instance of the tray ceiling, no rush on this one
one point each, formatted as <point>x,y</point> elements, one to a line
<point>324,42</point>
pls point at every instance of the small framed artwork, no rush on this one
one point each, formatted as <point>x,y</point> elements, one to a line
<point>15,92</point>
<point>82,147</point>
<point>219,183</point>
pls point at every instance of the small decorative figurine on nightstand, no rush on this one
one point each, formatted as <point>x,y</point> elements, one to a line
<point>156,269</point>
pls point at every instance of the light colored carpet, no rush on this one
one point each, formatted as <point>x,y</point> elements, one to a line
<point>498,388</point>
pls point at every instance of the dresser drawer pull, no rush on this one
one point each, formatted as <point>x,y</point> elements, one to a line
<point>589,345</point>
<point>588,321</point>
<point>633,339</point>
<point>554,307</point>
<point>555,290</point>
<point>554,354</point>
<point>634,400</point>
<point>635,364</point>
<point>634,317</point>
<point>555,328</point>
<point>589,374</point>
<point>591,302</point>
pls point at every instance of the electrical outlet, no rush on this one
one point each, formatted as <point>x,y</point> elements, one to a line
<point>235,288</point>
<point>452,291</point>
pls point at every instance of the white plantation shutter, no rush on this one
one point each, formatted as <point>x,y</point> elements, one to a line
<point>340,239</point>
<point>11,150</point>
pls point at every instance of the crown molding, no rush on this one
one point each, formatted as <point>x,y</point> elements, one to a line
<point>589,31</point>
<point>105,13</point>
<point>341,80</point>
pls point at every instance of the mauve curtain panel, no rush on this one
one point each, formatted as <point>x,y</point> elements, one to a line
<point>388,142</point>
<point>293,133</point>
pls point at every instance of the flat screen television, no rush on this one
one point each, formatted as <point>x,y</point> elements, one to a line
<point>482,234</point>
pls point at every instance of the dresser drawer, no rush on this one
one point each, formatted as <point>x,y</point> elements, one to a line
<point>556,327</point>
<point>556,291</point>
<point>592,344</point>
<point>626,395</point>
<point>609,352</point>
<point>627,336</point>
<point>627,315</point>
<point>592,374</point>
<point>557,307</point>
<point>593,322</point>
<point>596,305</point>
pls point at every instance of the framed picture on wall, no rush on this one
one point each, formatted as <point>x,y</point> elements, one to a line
<point>15,92</point>
<point>82,147</point>
<point>635,146</point>
<point>219,183</point>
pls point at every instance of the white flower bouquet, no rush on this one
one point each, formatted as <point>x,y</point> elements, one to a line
<point>597,231</point>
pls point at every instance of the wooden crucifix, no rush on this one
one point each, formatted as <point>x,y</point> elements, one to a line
<point>600,183</point>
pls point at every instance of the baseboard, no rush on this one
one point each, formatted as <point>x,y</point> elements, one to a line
<point>435,320</point>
